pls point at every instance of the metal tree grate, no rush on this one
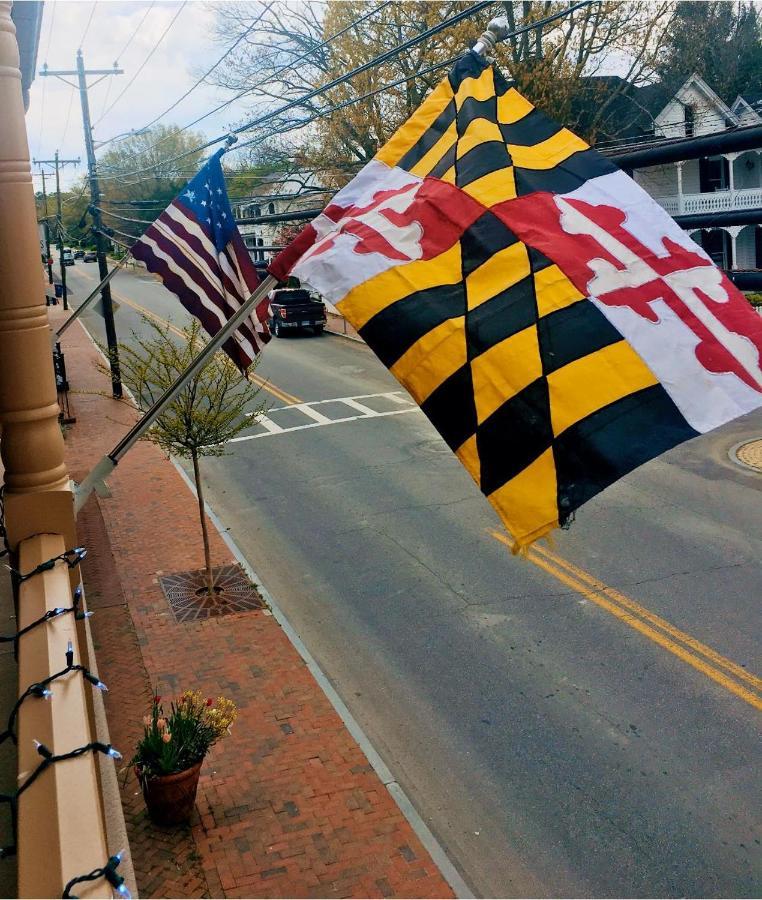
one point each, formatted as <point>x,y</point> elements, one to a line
<point>189,602</point>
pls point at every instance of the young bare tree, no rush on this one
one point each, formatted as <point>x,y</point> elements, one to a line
<point>215,405</point>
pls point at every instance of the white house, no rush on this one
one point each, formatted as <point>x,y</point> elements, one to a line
<point>278,193</point>
<point>727,181</point>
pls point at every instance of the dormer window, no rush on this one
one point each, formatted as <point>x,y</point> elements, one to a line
<point>271,208</point>
<point>689,121</point>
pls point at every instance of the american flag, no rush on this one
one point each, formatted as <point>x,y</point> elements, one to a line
<point>196,249</point>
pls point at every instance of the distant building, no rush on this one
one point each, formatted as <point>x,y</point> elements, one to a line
<point>720,183</point>
<point>278,193</point>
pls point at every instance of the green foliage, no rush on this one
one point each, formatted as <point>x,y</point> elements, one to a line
<point>755,298</point>
<point>209,411</point>
<point>721,41</point>
<point>156,148</point>
<point>179,740</point>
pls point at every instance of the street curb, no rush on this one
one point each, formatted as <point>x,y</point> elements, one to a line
<point>405,805</point>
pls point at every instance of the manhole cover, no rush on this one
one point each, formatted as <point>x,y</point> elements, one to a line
<point>748,454</point>
<point>234,594</point>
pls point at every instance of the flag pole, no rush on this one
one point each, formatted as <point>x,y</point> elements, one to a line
<point>83,306</point>
<point>109,462</point>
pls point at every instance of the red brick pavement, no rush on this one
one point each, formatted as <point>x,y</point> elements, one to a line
<point>287,804</point>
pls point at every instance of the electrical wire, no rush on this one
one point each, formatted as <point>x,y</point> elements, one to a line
<point>200,80</point>
<point>87,27</point>
<point>45,82</point>
<point>120,55</point>
<point>316,92</point>
<point>68,114</point>
<point>144,63</point>
<point>280,71</point>
<point>134,33</point>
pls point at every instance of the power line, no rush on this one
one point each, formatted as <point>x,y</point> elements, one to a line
<point>45,83</point>
<point>68,114</point>
<point>120,55</point>
<point>144,63</point>
<point>280,71</point>
<point>87,27</point>
<point>200,80</point>
<point>364,67</point>
<point>137,29</point>
<point>316,92</point>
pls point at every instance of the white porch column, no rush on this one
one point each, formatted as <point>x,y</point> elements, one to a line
<point>679,166</point>
<point>731,158</point>
<point>733,231</point>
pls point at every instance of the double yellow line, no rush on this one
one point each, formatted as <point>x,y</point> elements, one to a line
<point>264,384</point>
<point>721,670</point>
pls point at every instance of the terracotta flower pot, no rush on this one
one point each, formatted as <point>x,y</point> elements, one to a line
<point>170,798</point>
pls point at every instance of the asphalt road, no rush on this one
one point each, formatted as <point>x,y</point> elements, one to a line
<point>578,723</point>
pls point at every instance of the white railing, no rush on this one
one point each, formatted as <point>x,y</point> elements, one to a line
<point>718,201</point>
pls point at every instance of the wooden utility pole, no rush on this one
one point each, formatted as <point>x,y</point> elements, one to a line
<point>57,162</point>
<point>48,259</point>
<point>95,197</point>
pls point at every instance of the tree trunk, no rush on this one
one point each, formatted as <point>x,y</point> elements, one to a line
<point>207,554</point>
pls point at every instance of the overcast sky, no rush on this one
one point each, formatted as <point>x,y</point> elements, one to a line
<point>54,120</point>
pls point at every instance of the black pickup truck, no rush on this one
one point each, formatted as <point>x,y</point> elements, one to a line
<point>292,308</point>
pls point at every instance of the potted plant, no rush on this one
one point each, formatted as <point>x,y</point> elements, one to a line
<point>169,756</point>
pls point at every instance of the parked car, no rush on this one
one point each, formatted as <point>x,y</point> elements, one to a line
<point>67,258</point>
<point>294,308</point>
<point>90,256</point>
<point>78,254</point>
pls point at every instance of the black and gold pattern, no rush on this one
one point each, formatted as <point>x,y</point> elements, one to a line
<point>539,396</point>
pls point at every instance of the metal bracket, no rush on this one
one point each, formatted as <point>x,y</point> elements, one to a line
<point>497,31</point>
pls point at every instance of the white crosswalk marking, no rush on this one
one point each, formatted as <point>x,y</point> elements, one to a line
<point>317,419</point>
<point>312,413</point>
<point>365,410</point>
<point>271,426</point>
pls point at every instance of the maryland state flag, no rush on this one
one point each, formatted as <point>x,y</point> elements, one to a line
<point>553,322</point>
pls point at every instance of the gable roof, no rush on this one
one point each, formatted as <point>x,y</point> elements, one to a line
<point>749,100</point>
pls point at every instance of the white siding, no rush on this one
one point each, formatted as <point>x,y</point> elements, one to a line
<point>691,180</point>
<point>745,251</point>
<point>707,118</point>
<point>745,177</point>
<point>658,181</point>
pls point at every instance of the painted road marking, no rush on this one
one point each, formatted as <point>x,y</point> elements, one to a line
<point>257,379</point>
<point>267,423</point>
<point>682,645</point>
<point>318,420</point>
<point>312,413</point>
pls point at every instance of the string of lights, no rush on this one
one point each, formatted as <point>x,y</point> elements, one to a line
<point>109,872</point>
<point>41,690</point>
<point>49,759</point>
<point>71,557</point>
<point>51,614</point>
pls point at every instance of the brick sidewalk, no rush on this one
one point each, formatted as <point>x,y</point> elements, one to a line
<point>287,804</point>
